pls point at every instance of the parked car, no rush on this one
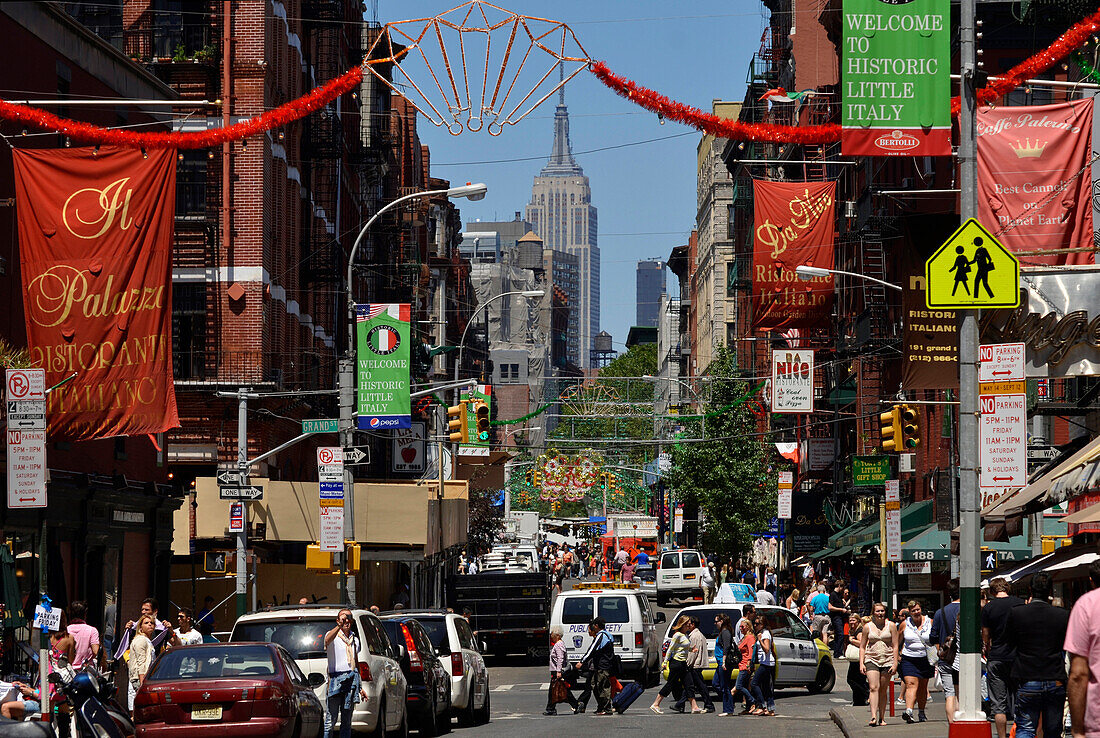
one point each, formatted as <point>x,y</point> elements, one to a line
<point>301,629</point>
<point>453,639</point>
<point>679,575</point>
<point>629,618</point>
<point>238,689</point>
<point>801,660</point>
<point>646,577</point>
<point>428,700</point>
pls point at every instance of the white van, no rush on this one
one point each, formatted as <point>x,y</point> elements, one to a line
<point>679,574</point>
<point>630,619</point>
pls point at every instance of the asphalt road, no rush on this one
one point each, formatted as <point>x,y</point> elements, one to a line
<point>519,698</point>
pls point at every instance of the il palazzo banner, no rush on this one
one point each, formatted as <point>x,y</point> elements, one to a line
<point>1034,180</point>
<point>95,234</point>
<point>896,62</point>
<point>795,225</point>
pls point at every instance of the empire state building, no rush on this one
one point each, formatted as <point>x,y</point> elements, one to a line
<point>562,213</point>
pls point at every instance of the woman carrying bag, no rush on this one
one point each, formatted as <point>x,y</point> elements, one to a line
<point>861,691</point>
<point>725,655</point>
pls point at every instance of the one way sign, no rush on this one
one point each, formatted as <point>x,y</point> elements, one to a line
<point>228,477</point>
<point>357,455</point>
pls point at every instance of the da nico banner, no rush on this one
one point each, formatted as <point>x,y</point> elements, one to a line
<point>382,365</point>
<point>895,67</point>
<point>95,240</point>
<point>795,224</point>
<point>1029,194</point>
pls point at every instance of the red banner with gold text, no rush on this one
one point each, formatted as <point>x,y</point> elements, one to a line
<point>795,225</point>
<point>1035,180</point>
<point>95,234</point>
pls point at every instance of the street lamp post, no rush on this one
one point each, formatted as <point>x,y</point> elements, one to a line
<point>809,272</point>
<point>347,364</point>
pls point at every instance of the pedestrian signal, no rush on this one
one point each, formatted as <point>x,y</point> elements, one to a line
<point>214,562</point>
<point>910,427</point>
<point>482,412</point>
<point>457,423</point>
<point>891,429</point>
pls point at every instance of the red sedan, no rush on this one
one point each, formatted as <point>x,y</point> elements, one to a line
<point>228,689</point>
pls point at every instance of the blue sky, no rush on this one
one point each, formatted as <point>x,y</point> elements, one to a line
<point>693,52</point>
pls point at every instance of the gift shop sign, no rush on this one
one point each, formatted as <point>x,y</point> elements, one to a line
<point>792,381</point>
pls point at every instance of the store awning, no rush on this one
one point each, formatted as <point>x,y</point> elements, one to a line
<point>1079,560</point>
<point>822,553</point>
<point>931,544</point>
<point>1090,514</point>
<point>914,519</point>
<point>1053,487</point>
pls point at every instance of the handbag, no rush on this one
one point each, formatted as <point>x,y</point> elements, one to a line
<point>851,652</point>
<point>559,690</point>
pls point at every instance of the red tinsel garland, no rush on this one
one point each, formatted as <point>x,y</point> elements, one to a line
<point>722,127</point>
<point>1073,39</point>
<point>651,100</point>
<point>291,111</point>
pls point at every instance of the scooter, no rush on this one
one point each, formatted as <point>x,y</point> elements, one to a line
<point>95,711</point>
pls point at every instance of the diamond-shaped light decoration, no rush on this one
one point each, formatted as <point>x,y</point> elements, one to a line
<point>476,65</point>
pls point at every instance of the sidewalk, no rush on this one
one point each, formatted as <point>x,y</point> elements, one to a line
<point>852,722</point>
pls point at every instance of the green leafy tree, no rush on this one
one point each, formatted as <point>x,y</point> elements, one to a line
<point>12,357</point>
<point>485,521</point>
<point>730,480</point>
<point>625,404</point>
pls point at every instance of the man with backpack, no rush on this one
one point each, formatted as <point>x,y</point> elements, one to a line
<point>942,636</point>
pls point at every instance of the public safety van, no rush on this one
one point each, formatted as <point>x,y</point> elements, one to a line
<point>631,623</point>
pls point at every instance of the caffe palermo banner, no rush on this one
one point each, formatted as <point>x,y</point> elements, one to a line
<point>795,225</point>
<point>95,240</point>
<point>1032,193</point>
<point>382,366</point>
<point>895,78</point>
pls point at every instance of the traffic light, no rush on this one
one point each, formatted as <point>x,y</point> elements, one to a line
<point>457,423</point>
<point>910,427</point>
<point>891,429</point>
<point>481,410</point>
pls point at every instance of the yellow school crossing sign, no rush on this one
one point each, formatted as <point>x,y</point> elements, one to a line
<point>972,270</point>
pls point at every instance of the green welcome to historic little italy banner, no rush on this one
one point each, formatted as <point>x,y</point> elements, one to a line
<point>382,366</point>
<point>895,78</point>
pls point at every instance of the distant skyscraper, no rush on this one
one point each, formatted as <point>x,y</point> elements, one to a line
<point>651,285</point>
<point>562,214</point>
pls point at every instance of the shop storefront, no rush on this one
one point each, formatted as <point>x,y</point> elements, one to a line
<point>108,542</point>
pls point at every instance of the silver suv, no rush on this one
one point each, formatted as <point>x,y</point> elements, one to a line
<point>454,641</point>
<point>300,629</point>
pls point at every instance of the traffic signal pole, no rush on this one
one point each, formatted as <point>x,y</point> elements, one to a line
<point>970,720</point>
<point>242,473</point>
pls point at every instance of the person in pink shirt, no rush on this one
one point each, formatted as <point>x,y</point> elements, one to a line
<point>86,636</point>
<point>1083,646</point>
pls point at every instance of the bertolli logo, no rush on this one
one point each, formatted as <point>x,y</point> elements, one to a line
<point>897,141</point>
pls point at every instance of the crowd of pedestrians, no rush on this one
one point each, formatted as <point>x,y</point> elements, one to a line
<point>79,643</point>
